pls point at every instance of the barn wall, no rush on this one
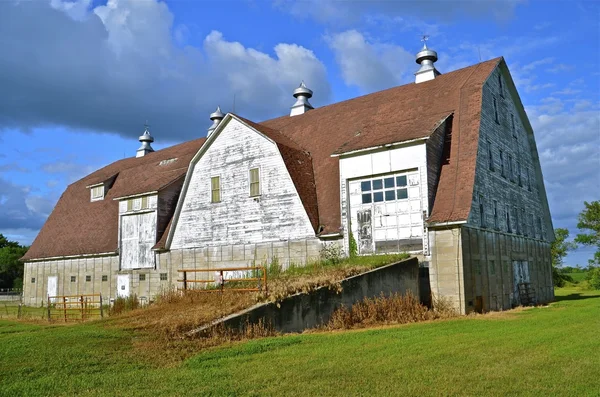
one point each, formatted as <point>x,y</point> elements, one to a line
<point>276,215</point>
<point>474,268</point>
<point>381,161</point>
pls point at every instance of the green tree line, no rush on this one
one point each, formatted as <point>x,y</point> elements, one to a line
<point>11,269</point>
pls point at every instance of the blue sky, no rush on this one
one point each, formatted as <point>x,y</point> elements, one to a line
<point>79,79</point>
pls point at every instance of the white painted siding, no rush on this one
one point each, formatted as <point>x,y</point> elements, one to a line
<point>409,212</point>
<point>278,214</point>
<point>137,232</point>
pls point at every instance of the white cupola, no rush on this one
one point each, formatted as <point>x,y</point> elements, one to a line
<point>302,95</point>
<point>426,58</point>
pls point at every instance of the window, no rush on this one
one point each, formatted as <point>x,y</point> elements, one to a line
<point>32,280</point>
<point>496,111</point>
<point>508,228</point>
<point>384,189</point>
<point>517,223</point>
<point>481,212</point>
<point>142,277</point>
<point>478,267</point>
<point>129,205</point>
<point>495,214</point>
<point>97,193</point>
<point>510,168</point>
<point>512,125</point>
<point>73,279</point>
<point>88,278</point>
<point>502,164</point>
<point>490,157</point>
<point>519,174</point>
<point>215,189</point>
<point>500,88</point>
<point>163,277</point>
<point>254,182</point>
<point>144,202</point>
<point>104,277</point>
<point>540,227</point>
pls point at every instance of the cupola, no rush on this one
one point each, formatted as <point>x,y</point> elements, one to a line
<point>426,58</point>
<point>146,139</point>
<point>302,95</point>
<point>216,118</point>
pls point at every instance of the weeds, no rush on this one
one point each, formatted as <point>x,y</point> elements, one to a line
<point>122,305</point>
<point>393,309</point>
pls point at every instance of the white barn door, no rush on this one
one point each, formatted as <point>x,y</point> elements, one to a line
<point>138,235</point>
<point>52,287</point>
<point>123,286</point>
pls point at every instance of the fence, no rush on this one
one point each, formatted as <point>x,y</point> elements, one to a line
<point>10,294</point>
<point>75,307</point>
<point>220,280</point>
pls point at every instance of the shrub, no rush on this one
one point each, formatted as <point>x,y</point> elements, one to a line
<point>593,278</point>
<point>331,253</point>
<point>122,305</point>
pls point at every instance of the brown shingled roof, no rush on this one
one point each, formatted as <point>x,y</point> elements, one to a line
<point>78,226</point>
<point>395,115</point>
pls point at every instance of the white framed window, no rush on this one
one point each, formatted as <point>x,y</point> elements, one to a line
<point>215,189</point>
<point>254,177</point>
<point>385,188</point>
<point>97,193</point>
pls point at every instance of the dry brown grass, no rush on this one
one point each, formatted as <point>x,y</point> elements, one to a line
<point>383,310</point>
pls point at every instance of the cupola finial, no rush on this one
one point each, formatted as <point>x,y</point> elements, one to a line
<point>302,95</point>
<point>426,58</point>
<point>146,139</point>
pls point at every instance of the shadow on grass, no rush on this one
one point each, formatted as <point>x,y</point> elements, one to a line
<point>575,297</point>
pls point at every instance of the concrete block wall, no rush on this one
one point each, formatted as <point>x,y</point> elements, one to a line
<point>467,263</point>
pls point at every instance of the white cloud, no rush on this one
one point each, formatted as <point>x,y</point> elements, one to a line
<point>121,63</point>
<point>371,66</point>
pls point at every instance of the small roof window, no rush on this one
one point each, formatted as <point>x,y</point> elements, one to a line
<point>97,192</point>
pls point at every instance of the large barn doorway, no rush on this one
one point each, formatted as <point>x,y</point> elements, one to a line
<point>138,236</point>
<point>386,212</point>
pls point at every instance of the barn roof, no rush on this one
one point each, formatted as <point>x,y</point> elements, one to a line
<point>309,144</point>
<point>78,226</point>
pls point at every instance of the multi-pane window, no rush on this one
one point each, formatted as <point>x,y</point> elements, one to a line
<point>508,228</point>
<point>32,280</point>
<point>495,214</point>
<point>481,212</point>
<point>163,277</point>
<point>384,189</point>
<point>496,111</point>
<point>104,277</point>
<point>490,157</point>
<point>215,189</point>
<point>144,202</point>
<point>502,164</point>
<point>129,205</point>
<point>254,182</point>
<point>142,277</point>
<point>97,193</point>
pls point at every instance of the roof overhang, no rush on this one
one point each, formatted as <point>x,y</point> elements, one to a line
<point>135,195</point>
<point>379,147</point>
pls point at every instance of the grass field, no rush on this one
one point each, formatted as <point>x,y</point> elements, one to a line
<point>548,351</point>
<point>578,276</point>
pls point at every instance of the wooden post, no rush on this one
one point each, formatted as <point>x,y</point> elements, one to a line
<point>264,269</point>
<point>49,314</point>
<point>222,280</point>
<point>101,309</point>
<point>184,280</point>
<point>82,309</point>
<point>65,307</point>
<point>20,312</point>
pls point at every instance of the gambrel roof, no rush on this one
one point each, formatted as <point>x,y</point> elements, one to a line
<point>311,143</point>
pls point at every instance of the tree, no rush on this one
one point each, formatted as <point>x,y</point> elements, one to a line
<point>558,250</point>
<point>11,269</point>
<point>589,219</point>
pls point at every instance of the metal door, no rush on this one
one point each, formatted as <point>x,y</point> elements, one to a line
<point>52,287</point>
<point>123,286</point>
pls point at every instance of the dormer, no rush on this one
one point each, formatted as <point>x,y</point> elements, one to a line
<point>97,192</point>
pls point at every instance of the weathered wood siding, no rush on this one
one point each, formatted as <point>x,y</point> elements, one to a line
<point>434,148</point>
<point>410,158</point>
<point>276,215</point>
<point>167,201</point>
<point>137,232</point>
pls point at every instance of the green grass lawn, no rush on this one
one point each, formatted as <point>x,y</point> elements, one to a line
<point>546,351</point>
<point>578,276</point>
